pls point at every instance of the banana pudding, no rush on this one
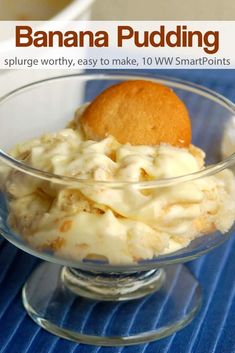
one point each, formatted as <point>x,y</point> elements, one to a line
<point>112,210</point>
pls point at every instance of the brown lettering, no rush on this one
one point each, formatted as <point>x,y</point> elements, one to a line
<point>71,40</point>
<point>40,40</point>
<point>123,36</point>
<point>173,38</point>
<point>102,39</point>
<point>214,44</point>
<point>26,33</point>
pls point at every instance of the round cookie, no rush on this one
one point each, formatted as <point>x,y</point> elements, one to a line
<point>138,112</point>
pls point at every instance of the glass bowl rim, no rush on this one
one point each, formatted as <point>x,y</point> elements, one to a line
<point>175,82</point>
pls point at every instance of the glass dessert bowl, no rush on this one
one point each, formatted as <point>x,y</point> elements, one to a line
<point>107,261</point>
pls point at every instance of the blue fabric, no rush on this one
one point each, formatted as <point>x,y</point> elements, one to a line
<point>212,331</point>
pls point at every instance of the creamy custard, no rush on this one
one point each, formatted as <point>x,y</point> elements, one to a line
<point>123,224</point>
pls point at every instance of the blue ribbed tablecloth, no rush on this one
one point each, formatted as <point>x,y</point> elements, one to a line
<point>212,331</point>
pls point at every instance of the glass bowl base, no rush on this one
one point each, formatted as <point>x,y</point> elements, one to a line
<point>65,313</point>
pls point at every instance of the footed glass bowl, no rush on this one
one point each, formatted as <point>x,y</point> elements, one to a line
<point>93,301</point>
